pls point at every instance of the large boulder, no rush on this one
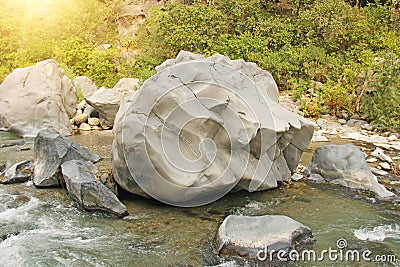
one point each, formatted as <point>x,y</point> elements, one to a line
<point>51,150</point>
<point>19,172</point>
<point>255,236</point>
<point>202,126</point>
<point>107,101</point>
<point>84,187</point>
<point>37,97</point>
<point>345,165</point>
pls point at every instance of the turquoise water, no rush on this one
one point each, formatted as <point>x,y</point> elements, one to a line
<point>45,228</point>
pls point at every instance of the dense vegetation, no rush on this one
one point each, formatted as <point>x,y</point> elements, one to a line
<point>68,30</point>
<point>334,55</point>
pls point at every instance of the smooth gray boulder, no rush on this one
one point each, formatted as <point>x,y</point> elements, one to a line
<point>345,165</point>
<point>202,126</point>
<point>84,188</point>
<point>107,101</point>
<point>248,235</point>
<point>37,97</point>
<point>51,150</point>
<point>19,172</point>
<point>85,85</point>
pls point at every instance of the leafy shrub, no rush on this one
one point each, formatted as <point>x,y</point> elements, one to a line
<point>382,95</point>
<point>324,51</point>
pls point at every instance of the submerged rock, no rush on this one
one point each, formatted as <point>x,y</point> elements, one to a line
<point>84,188</point>
<point>20,172</point>
<point>37,97</point>
<point>107,101</point>
<point>202,126</point>
<point>51,150</point>
<point>346,165</point>
<point>246,236</point>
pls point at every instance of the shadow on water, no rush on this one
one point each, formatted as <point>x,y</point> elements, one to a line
<point>46,228</point>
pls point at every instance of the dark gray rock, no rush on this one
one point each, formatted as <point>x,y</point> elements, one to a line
<point>107,101</point>
<point>367,127</point>
<point>51,150</point>
<point>37,97</point>
<point>345,165</point>
<point>20,172</point>
<point>355,122</point>
<point>84,188</point>
<point>247,235</point>
<point>355,117</point>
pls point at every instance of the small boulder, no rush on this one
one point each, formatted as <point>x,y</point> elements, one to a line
<point>345,165</point>
<point>107,101</point>
<point>37,97</point>
<point>385,166</point>
<point>372,160</point>
<point>51,150</point>
<point>297,177</point>
<point>246,236</point>
<point>94,121</point>
<point>355,122</point>
<point>20,172</point>
<point>367,127</point>
<point>84,188</point>
<point>79,119</point>
<point>379,172</point>
<point>84,127</point>
<point>378,152</point>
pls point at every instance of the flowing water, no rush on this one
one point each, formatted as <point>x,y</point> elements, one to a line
<point>43,227</point>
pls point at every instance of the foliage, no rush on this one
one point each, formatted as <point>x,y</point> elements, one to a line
<point>67,30</point>
<point>333,54</point>
<point>382,99</point>
<point>319,49</point>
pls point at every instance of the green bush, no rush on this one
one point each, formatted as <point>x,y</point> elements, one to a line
<point>324,51</point>
<point>382,92</point>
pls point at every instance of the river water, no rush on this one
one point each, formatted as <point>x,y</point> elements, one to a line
<point>43,227</point>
